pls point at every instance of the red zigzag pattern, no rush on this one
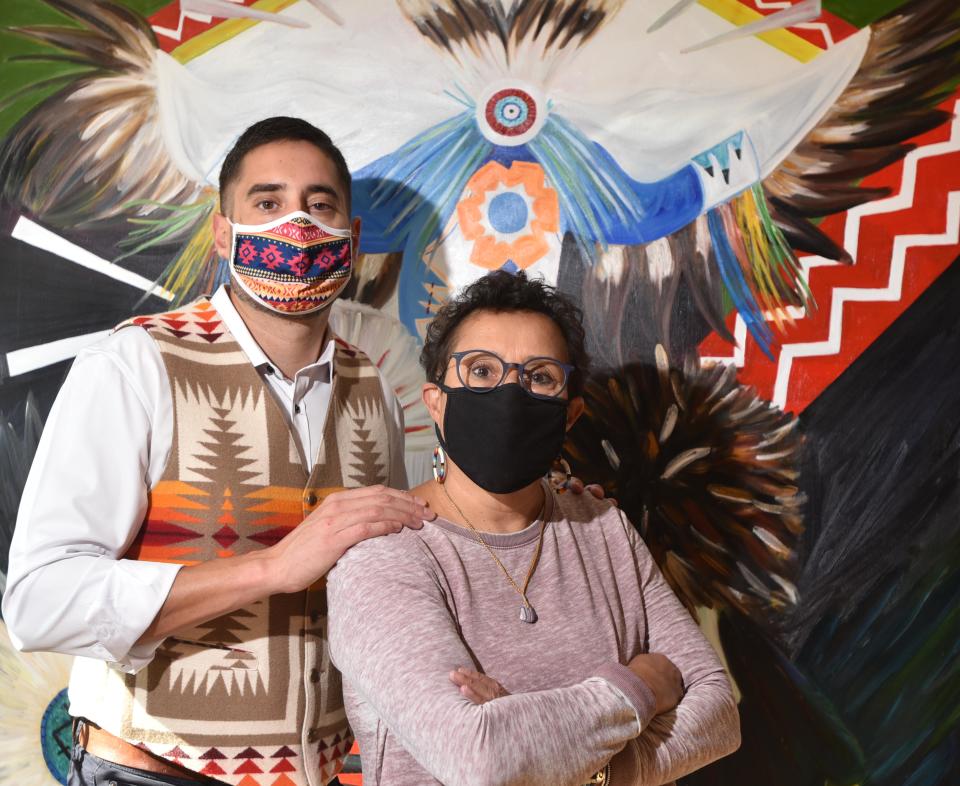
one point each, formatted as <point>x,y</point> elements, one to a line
<point>866,293</point>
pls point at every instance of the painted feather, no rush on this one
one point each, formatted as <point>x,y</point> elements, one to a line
<point>910,66</point>
<point>35,746</point>
<point>17,449</point>
<point>750,242</point>
<point>114,168</point>
<point>707,473</point>
<point>480,27</point>
<point>116,162</point>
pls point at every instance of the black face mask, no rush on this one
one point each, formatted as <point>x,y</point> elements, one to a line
<point>505,439</point>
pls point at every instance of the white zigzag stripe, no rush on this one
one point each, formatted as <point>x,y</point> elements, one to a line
<point>176,35</point>
<point>902,243</point>
<point>903,199</point>
<point>204,11</point>
<point>824,31</point>
<point>821,26</point>
<point>739,349</point>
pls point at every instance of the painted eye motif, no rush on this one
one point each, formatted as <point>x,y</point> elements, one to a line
<point>510,114</point>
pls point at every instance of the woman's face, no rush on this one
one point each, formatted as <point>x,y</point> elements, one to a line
<point>516,336</point>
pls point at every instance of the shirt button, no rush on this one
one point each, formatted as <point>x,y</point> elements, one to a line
<point>314,616</point>
<point>314,675</point>
<point>296,408</point>
<point>310,499</point>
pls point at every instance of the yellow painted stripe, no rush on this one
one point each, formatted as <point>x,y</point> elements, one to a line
<point>224,31</point>
<point>787,42</point>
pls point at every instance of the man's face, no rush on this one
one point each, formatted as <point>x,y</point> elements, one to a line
<point>278,178</point>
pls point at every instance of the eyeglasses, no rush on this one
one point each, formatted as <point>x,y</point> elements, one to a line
<point>481,371</point>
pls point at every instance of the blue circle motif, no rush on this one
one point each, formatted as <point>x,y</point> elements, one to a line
<point>56,736</point>
<point>508,213</point>
<point>511,111</point>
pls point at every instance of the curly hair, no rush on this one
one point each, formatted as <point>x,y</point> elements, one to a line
<point>503,291</point>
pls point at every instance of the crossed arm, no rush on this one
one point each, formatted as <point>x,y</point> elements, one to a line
<point>560,736</point>
<point>685,734</point>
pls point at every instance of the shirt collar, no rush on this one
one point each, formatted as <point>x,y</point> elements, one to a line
<point>228,313</point>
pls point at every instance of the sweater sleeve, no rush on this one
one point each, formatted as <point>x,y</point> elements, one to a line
<point>395,642</point>
<point>705,725</point>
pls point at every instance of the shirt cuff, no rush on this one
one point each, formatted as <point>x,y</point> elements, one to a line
<point>633,688</point>
<point>134,595</point>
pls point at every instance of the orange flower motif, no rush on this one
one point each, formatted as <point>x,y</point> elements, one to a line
<point>507,213</point>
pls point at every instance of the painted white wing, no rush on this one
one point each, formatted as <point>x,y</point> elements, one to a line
<point>661,107</point>
<point>372,83</point>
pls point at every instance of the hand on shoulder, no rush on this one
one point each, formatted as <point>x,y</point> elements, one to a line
<point>342,520</point>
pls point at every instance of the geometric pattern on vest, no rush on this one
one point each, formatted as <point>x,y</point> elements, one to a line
<point>250,697</point>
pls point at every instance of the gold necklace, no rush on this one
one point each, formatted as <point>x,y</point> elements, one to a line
<point>527,613</point>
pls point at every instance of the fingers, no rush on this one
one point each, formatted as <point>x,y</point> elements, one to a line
<point>479,688</point>
<point>366,491</point>
<point>597,490</point>
<point>406,513</point>
<point>662,677</point>
<point>574,485</point>
<point>464,677</point>
<point>471,694</point>
<point>343,519</point>
<point>364,529</point>
<point>350,497</point>
<point>341,511</point>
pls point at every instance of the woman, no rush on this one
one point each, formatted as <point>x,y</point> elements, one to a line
<point>553,596</point>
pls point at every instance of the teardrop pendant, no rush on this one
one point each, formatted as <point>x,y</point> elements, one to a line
<point>527,614</point>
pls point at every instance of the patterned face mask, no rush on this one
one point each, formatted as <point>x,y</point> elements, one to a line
<point>293,265</point>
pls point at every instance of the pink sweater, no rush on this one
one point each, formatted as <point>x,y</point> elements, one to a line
<point>406,609</point>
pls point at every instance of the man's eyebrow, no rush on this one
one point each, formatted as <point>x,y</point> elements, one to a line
<point>323,188</point>
<point>265,188</point>
<point>270,188</point>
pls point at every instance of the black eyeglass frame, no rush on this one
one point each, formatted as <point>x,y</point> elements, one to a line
<point>567,368</point>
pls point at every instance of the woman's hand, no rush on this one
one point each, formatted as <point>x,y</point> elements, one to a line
<point>477,687</point>
<point>661,676</point>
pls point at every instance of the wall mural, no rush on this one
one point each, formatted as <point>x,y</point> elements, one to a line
<point>756,203</point>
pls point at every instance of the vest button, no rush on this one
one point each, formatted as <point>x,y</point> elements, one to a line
<point>310,499</point>
<point>314,675</point>
<point>313,735</point>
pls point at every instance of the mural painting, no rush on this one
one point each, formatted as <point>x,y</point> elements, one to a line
<point>756,204</point>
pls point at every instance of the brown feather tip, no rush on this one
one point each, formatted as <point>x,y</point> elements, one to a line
<point>707,471</point>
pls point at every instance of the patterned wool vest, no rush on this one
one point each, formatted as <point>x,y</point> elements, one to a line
<point>248,698</point>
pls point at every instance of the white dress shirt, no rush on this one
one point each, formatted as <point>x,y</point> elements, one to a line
<point>104,446</point>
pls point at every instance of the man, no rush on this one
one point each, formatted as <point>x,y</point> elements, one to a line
<point>186,501</point>
<point>174,468</point>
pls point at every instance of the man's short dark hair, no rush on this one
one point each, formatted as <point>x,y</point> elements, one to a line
<point>280,129</point>
<point>502,291</point>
